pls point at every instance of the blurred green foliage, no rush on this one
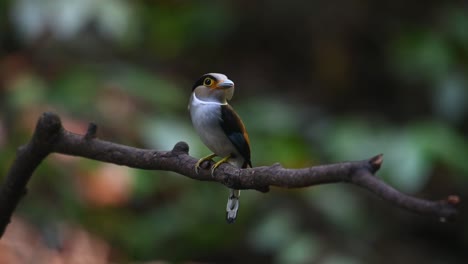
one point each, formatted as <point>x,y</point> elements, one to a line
<point>314,84</point>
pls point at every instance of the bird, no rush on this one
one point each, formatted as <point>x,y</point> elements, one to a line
<point>220,129</point>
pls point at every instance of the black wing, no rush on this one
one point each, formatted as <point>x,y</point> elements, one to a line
<point>236,132</point>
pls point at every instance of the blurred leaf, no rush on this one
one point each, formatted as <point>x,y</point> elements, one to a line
<point>341,207</point>
<point>456,24</point>
<point>289,150</point>
<point>303,249</point>
<point>174,28</point>
<point>276,115</point>
<point>76,90</point>
<point>274,232</point>
<point>277,140</point>
<point>441,142</point>
<point>409,152</point>
<point>405,163</point>
<point>421,55</point>
<point>115,19</point>
<point>150,87</point>
<point>65,19</point>
<point>26,90</point>
<point>164,132</point>
<point>340,259</point>
<point>451,97</point>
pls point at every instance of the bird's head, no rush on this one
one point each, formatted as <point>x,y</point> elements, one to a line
<point>214,87</point>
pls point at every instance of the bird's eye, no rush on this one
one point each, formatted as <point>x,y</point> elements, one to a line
<point>208,82</point>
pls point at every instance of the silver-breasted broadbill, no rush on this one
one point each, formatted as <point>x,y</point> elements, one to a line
<point>220,128</point>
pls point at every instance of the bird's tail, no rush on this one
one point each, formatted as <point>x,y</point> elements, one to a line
<point>233,199</point>
<point>232,205</point>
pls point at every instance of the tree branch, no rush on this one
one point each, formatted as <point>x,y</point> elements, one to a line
<point>50,137</point>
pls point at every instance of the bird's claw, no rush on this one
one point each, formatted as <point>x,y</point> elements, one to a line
<point>200,161</point>
<point>213,168</point>
<point>216,165</point>
<point>197,165</point>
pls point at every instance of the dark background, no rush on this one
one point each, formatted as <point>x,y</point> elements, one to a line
<point>316,82</point>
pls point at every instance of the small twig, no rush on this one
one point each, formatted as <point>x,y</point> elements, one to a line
<point>49,137</point>
<point>91,131</point>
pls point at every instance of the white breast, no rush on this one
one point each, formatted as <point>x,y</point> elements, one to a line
<point>205,118</point>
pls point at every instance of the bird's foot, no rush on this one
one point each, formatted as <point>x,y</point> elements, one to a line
<point>216,165</point>
<point>200,161</point>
